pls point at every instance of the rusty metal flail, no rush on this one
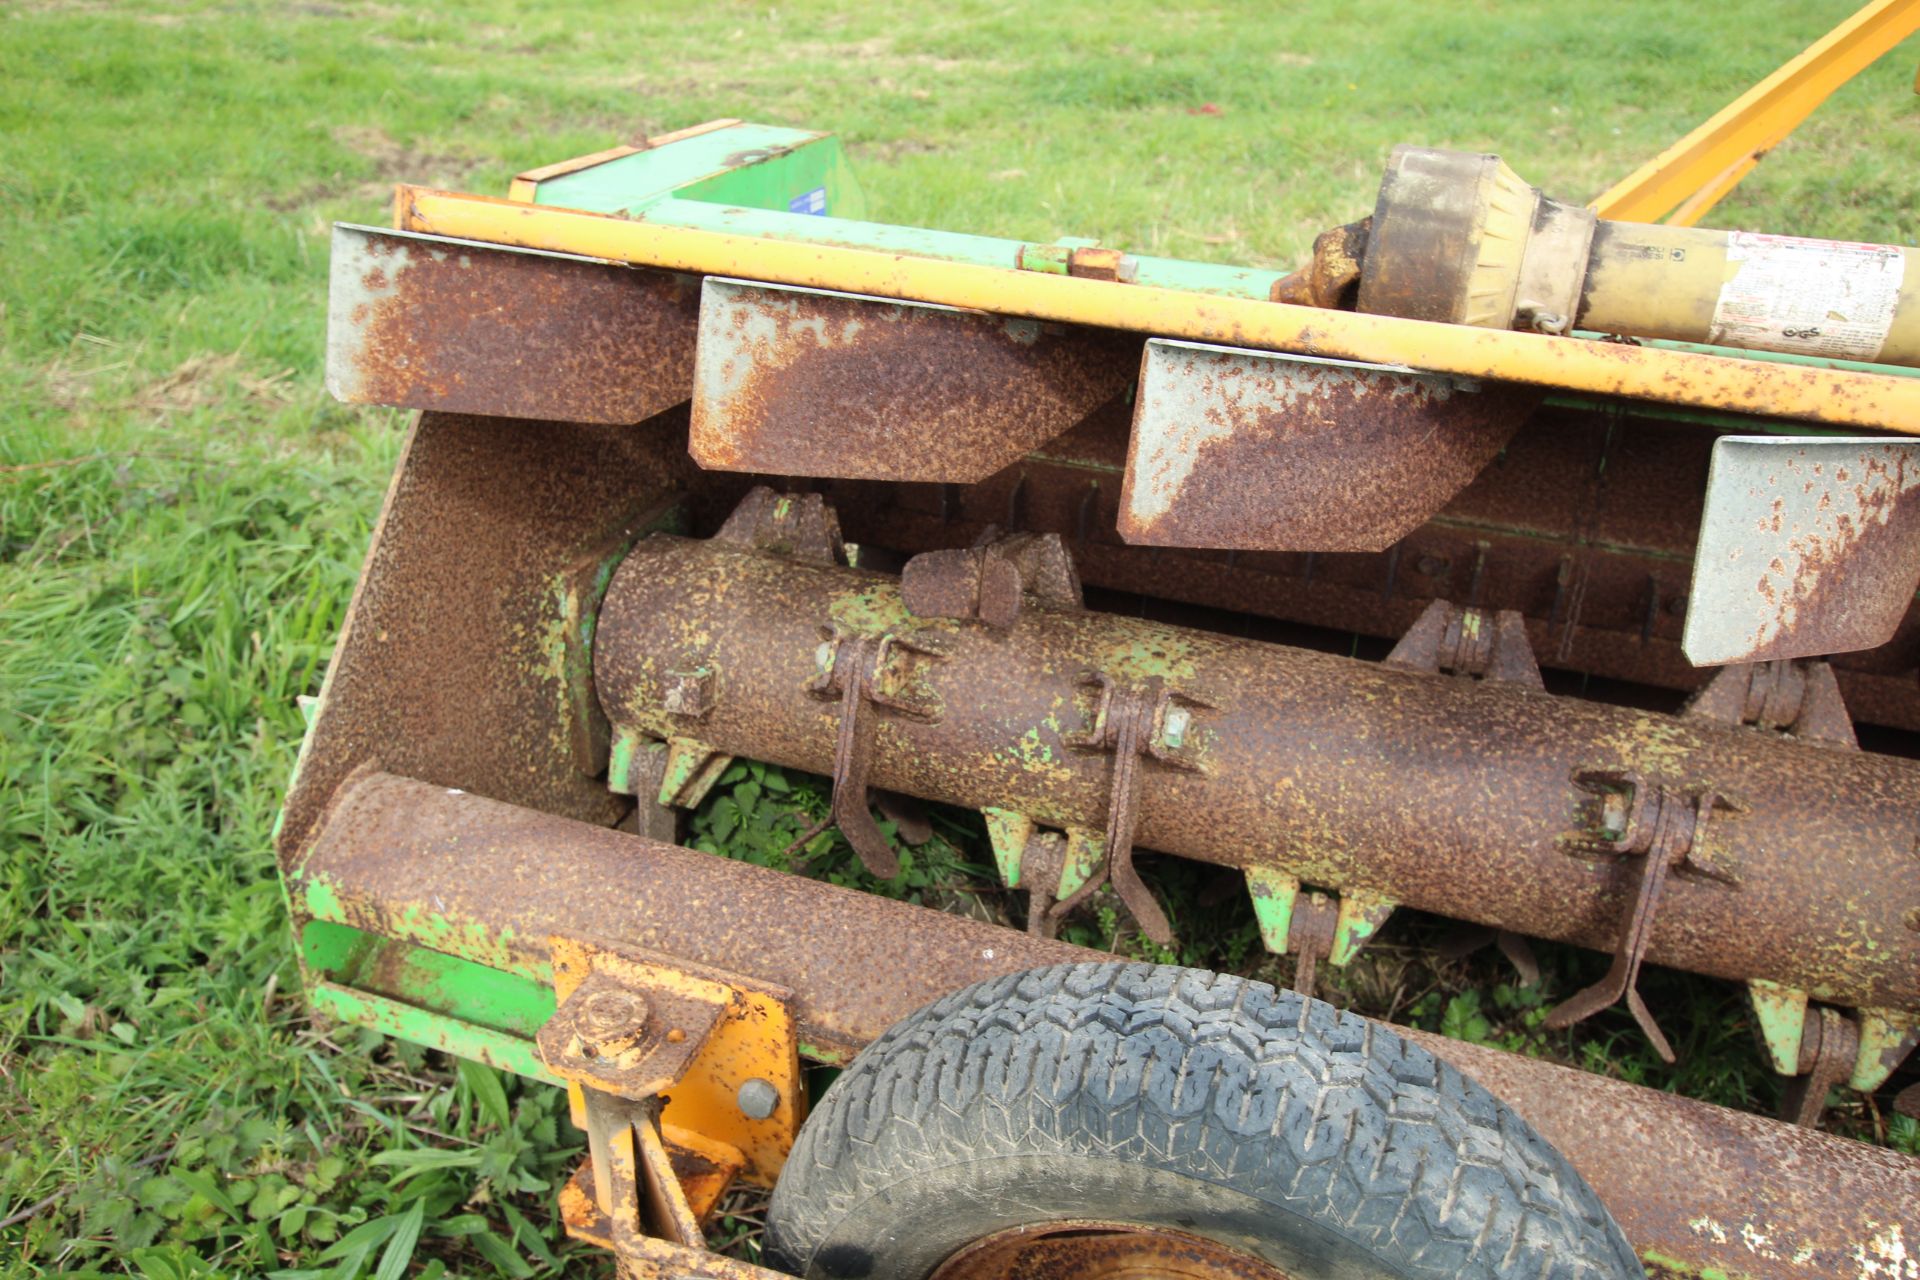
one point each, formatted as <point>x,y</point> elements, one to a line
<point>805,382</point>
<point>1253,451</point>
<point>428,323</point>
<point>1807,547</point>
<point>1662,827</point>
<point>402,857</point>
<point>1482,800</point>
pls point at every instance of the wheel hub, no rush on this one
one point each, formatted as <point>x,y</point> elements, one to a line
<point>1101,1251</point>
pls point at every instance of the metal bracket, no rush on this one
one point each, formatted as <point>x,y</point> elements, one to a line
<point>1666,828</point>
<point>1787,695</point>
<point>650,1226</point>
<point>863,672</point>
<point>798,526</point>
<point>990,580</point>
<point>1448,639</point>
<point>632,1026</point>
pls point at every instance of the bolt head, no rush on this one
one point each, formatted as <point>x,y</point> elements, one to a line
<point>686,694</point>
<point>1175,732</point>
<point>758,1099</point>
<point>1615,808</point>
<point>609,1025</point>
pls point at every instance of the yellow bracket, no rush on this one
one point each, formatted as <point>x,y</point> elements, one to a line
<point>684,1079</point>
<point>646,1220</point>
<point>1694,174</point>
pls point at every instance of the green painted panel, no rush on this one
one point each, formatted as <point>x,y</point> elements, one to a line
<point>619,185</point>
<point>438,1000</point>
<point>493,949</point>
<point>810,181</point>
<point>430,980</point>
<point>437,1031</point>
<point>945,246</point>
<point>428,997</point>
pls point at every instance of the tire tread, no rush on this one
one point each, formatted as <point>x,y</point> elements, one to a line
<point>1217,1077</point>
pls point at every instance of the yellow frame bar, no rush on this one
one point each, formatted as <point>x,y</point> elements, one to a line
<point>1693,174</point>
<point>1833,396</point>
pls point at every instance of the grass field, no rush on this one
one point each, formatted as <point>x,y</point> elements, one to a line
<point>182,509</point>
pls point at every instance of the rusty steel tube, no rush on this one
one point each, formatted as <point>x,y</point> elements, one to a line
<point>1444,794</point>
<point>1695,1187</point>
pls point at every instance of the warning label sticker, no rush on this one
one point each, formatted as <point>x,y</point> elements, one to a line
<point>1814,297</point>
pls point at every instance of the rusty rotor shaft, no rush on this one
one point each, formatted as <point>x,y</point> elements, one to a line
<point>1449,795</point>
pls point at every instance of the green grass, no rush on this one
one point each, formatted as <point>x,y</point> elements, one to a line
<point>182,510</point>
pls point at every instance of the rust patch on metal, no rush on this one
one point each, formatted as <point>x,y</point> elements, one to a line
<point>799,382</point>
<point>450,325</point>
<point>457,659</point>
<point>1260,452</point>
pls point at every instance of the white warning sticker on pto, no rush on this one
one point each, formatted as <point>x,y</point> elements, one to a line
<point>1814,297</point>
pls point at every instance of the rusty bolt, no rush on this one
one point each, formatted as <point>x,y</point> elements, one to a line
<point>1615,806</point>
<point>686,693</point>
<point>757,1099</point>
<point>610,1023</point>
<point>1174,735</point>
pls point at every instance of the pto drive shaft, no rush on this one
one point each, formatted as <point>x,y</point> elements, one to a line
<point>1723,850</point>
<point>1458,237</point>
